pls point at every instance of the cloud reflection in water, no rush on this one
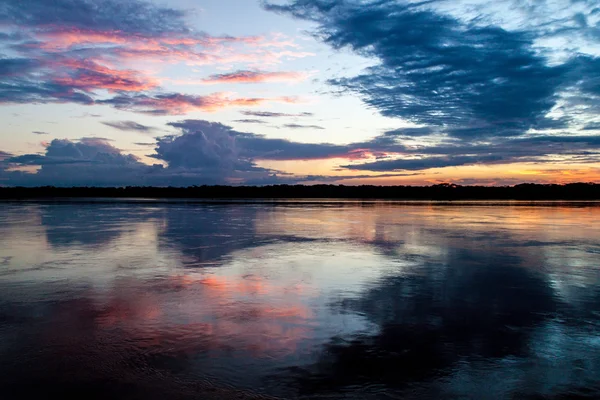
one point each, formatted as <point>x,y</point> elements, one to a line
<point>415,301</point>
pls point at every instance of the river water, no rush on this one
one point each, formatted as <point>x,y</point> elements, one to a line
<point>365,300</point>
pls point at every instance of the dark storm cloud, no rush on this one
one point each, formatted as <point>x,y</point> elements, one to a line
<point>269,114</point>
<point>128,126</point>
<point>436,70</point>
<point>300,126</point>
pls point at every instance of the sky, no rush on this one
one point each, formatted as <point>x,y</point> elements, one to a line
<point>383,92</point>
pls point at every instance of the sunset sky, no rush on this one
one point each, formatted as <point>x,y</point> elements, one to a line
<point>191,92</point>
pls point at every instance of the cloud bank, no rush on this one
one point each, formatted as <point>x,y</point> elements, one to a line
<point>81,52</point>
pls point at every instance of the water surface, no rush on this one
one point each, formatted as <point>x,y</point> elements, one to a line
<point>372,300</point>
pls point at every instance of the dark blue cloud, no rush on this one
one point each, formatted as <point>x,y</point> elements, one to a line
<point>436,70</point>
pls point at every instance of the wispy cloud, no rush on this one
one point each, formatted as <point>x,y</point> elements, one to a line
<point>255,77</point>
<point>78,51</point>
<point>250,121</point>
<point>300,126</point>
<point>178,104</point>
<point>269,114</point>
<point>129,126</point>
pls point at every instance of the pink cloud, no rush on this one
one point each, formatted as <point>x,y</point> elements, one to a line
<point>178,104</point>
<point>197,49</point>
<point>255,77</point>
<point>88,76</point>
<point>64,38</point>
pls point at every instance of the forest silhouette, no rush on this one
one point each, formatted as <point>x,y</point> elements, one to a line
<point>446,191</point>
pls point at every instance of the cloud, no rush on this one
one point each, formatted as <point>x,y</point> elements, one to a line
<point>250,121</point>
<point>269,114</point>
<point>40,133</point>
<point>470,77</point>
<point>129,126</point>
<point>255,77</point>
<point>4,155</point>
<point>411,132</point>
<point>251,146</point>
<point>299,126</point>
<point>212,148</point>
<point>423,164</point>
<point>131,17</point>
<point>206,152</point>
<point>592,126</point>
<point>177,104</point>
<point>88,161</point>
<point>16,66</point>
<point>88,76</point>
<point>538,149</point>
<point>203,153</point>
<point>23,91</point>
<point>75,51</point>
